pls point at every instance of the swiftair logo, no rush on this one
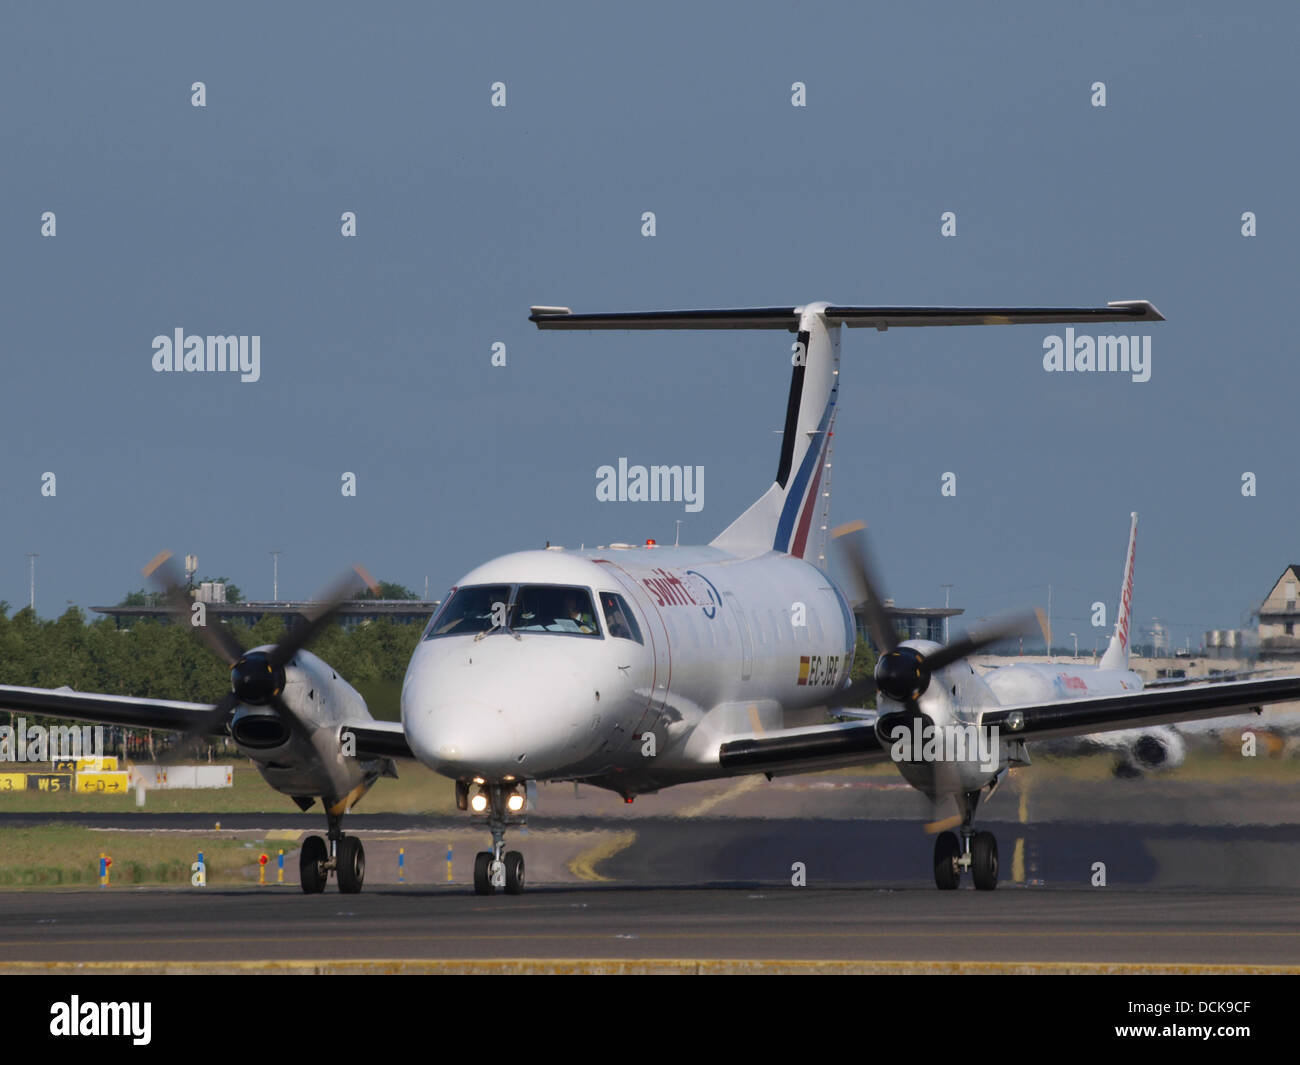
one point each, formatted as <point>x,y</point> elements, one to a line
<point>196,354</point>
<point>1086,354</point>
<point>658,484</point>
<point>102,1018</point>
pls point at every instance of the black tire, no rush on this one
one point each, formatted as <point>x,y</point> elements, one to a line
<point>352,865</point>
<point>947,873</point>
<point>310,874</point>
<point>514,873</point>
<point>482,876</point>
<point>984,861</point>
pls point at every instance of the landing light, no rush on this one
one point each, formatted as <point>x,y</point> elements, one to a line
<point>478,802</point>
<point>515,803</point>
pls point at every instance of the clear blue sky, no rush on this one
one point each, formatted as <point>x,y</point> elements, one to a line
<point>375,351</point>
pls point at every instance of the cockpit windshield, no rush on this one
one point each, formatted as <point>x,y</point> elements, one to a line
<point>479,608</point>
<point>552,608</point>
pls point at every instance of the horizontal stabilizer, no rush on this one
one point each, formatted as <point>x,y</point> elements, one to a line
<point>874,317</point>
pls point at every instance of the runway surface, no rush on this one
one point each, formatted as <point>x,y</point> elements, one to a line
<point>1196,874</point>
<point>1075,930</point>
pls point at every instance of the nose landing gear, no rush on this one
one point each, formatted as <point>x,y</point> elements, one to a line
<point>975,851</point>
<point>497,869</point>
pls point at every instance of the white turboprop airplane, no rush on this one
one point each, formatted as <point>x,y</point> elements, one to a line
<point>636,668</point>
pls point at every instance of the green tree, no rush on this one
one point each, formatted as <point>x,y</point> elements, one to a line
<point>864,665</point>
<point>142,598</point>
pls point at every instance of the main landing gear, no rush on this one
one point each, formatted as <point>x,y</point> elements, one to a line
<point>344,856</point>
<point>497,869</point>
<point>976,851</point>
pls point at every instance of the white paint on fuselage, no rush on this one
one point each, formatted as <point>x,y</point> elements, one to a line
<point>1036,683</point>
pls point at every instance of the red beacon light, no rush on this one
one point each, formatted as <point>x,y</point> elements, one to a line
<point>650,543</point>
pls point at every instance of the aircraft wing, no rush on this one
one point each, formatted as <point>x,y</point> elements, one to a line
<point>125,710</point>
<point>1076,717</point>
<point>373,739</point>
<point>796,750</point>
<point>378,739</point>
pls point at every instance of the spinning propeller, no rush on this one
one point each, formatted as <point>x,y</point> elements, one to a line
<point>903,673</point>
<point>257,678</point>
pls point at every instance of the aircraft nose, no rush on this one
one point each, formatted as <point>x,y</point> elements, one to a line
<point>467,740</point>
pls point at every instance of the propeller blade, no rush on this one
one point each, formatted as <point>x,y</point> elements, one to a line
<point>257,677</point>
<point>209,725</point>
<point>864,585</point>
<point>167,577</point>
<point>985,635</point>
<point>343,589</point>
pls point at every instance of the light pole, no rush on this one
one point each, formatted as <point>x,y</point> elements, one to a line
<point>946,588</point>
<point>275,576</point>
<point>1076,646</point>
<point>32,556</point>
<point>1049,622</point>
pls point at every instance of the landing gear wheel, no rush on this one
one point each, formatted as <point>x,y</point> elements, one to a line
<point>483,873</point>
<point>947,874</point>
<point>984,861</point>
<point>311,859</point>
<point>514,873</point>
<point>352,865</point>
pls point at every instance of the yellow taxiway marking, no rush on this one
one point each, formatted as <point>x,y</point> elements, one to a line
<point>284,833</point>
<point>737,789</point>
<point>584,865</point>
<point>1018,862</point>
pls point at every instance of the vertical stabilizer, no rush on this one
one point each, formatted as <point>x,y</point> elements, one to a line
<point>782,518</point>
<point>1116,656</point>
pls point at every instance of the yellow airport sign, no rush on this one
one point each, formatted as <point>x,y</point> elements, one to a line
<point>107,783</point>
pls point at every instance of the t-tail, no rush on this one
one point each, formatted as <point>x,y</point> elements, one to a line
<point>781,519</point>
<point>1116,656</point>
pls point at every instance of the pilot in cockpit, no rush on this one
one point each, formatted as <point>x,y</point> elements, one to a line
<point>575,613</point>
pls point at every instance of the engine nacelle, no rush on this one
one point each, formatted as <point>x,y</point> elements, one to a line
<point>1151,750</point>
<point>303,757</point>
